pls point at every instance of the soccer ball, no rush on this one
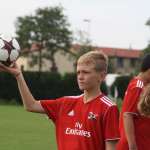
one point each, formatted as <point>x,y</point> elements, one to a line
<point>9,49</point>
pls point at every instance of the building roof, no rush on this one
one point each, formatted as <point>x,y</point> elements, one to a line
<point>109,51</point>
<point>116,52</point>
<point>120,52</point>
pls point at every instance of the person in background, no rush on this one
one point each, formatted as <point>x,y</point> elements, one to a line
<point>134,127</point>
<point>144,102</point>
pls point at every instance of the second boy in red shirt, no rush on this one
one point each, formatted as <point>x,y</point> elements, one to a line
<point>134,127</point>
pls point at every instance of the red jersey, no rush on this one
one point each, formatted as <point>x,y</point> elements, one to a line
<point>141,124</point>
<point>83,126</point>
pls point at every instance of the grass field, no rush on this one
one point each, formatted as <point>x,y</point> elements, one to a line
<point>21,130</point>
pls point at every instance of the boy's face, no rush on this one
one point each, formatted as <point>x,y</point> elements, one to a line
<point>88,78</point>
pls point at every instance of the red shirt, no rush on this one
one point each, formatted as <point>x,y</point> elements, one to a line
<point>141,124</point>
<point>81,126</point>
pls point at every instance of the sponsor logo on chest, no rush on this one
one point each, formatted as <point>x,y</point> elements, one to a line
<point>78,128</point>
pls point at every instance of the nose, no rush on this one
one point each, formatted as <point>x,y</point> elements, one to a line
<point>80,76</point>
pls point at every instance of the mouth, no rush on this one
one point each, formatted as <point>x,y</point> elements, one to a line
<point>81,83</point>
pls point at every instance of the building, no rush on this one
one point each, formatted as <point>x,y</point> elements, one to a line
<point>121,61</point>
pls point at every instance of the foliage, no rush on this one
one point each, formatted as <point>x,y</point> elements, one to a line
<point>44,85</point>
<point>111,67</point>
<point>119,104</point>
<point>83,46</point>
<point>49,29</point>
<point>104,88</point>
<point>146,50</point>
<point>120,84</point>
<point>69,81</point>
<point>148,22</point>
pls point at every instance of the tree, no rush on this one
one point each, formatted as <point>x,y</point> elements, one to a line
<point>148,22</point>
<point>147,49</point>
<point>83,45</point>
<point>49,29</point>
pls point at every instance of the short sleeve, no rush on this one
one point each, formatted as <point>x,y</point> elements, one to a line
<point>111,124</point>
<point>131,99</point>
<point>52,107</point>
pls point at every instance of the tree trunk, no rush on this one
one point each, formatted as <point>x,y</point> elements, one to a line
<point>54,66</point>
<point>40,61</point>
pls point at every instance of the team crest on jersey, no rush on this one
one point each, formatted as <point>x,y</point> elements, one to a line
<point>92,116</point>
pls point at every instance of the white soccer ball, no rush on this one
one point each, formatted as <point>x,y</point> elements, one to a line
<point>9,49</point>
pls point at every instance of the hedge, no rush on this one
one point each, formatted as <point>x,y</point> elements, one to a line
<point>43,85</point>
<point>121,84</point>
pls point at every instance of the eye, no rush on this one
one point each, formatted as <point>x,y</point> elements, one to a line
<point>86,72</point>
<point>78,72</point>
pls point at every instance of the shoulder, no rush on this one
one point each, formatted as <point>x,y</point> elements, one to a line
<point>108,107</point>
<point>136,83</point>
<point>106,101</point>
<point>135,87</point>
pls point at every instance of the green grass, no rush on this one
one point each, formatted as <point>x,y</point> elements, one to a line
<point>119,104</point>
<point>21,130</point>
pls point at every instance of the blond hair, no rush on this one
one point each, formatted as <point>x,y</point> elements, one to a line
<point>98,58</point>
<point>144,102</point>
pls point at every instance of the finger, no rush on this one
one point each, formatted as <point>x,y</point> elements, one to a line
<point>5,68</point>
<point>2,65</point>
<point>14,65</point>
<point>1,69</point>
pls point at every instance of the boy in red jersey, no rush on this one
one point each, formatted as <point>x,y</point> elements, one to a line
<point>85,122</point>
<point>134,127</point>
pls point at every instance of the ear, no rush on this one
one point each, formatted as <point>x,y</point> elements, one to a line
<point>102,76</point>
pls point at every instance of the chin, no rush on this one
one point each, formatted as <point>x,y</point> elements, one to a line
<point>81,88</point>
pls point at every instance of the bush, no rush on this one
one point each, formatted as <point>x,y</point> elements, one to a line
<point>43,85</point>
<point>120,84</point>
<point>104,88</point>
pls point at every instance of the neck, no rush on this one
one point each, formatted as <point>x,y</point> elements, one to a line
<point>91,94</point>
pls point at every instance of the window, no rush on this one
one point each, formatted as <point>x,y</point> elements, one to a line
<point>120,62</point>
<point>133,62</point>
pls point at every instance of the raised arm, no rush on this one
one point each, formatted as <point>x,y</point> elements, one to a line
<point>29,102</point>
